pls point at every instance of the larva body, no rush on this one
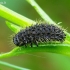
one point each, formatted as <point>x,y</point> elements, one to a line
<point>39,33</point>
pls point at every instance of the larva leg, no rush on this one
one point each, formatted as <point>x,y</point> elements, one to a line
<point>36,43</point>
<point>25,46</point>
<point>31,44</point>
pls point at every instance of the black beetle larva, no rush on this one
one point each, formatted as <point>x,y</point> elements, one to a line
<point>39,33</point>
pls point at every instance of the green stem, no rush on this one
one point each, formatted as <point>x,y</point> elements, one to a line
<point>40,11</point>
<point>53,48</point>
<point>15,17</point>
<point>12,66</point>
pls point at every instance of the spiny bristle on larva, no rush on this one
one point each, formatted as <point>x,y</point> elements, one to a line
<point>39,33</point>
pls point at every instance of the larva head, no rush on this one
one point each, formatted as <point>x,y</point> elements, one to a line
<point>18,39</point>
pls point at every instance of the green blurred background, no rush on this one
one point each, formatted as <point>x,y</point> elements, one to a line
<point>59,11</point>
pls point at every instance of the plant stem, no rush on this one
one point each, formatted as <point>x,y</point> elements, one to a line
<point>40,11</point>
<point>15,17</point>
<point>12,66</point>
